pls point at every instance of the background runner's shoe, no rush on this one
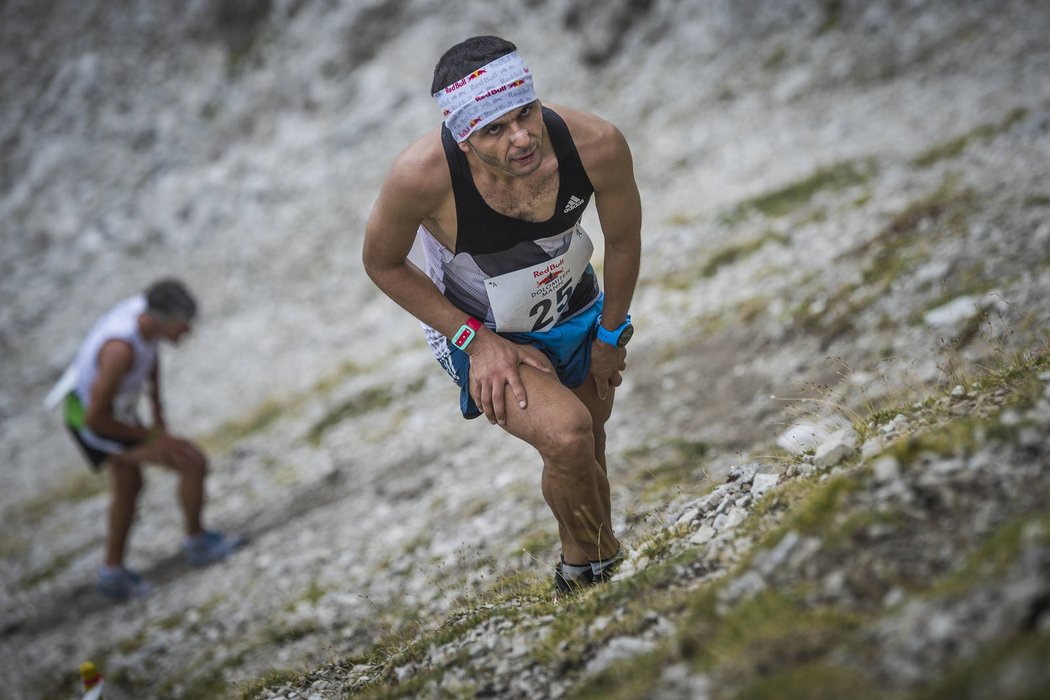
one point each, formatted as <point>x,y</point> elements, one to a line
<point>121,584</point>
<point>210,546</point>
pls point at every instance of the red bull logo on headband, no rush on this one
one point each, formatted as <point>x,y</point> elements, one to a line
<point>455,86</point>
<point>465,131</point>
<point>501,88</point>
<point>477,74</point>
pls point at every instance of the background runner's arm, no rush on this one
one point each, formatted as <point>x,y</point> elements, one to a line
<point>154,396</point>
<point>114,362</point>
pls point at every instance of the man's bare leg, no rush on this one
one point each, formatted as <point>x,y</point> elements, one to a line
<point>125,485</point>
<point>561,427</point>
<point>192,468</point>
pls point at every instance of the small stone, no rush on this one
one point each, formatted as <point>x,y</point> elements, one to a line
<point>618,649</point>
<point>734,517</point>
<point>688,518</point>
<point>840,445</point>
<point>704,535</point>
<point>871,447</point>
<point>763,483</point>
<point>886,469</point>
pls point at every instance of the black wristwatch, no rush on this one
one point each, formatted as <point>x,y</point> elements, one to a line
<point>618,337</point>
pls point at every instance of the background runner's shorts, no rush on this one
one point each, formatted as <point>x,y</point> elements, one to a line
<point>567,345</point>
<point>95,456</point>
<point>74,419</point>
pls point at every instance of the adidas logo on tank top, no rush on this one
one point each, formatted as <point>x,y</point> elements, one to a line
<point>574,202</point>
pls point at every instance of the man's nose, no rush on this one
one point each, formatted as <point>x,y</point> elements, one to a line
<point>520,137</point>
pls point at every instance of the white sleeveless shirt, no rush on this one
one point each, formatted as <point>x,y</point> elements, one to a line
<point>119,323</point>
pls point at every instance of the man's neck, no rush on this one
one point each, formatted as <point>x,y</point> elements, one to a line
<point>147,328</point>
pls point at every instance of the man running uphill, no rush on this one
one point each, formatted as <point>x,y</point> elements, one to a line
<point>510,303</point>
<point>116,361</point>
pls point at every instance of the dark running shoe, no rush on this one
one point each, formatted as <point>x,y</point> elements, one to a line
<point>121,584</point>
<point>567,586</point>
<point>209,546</point>
<point>608,566</point>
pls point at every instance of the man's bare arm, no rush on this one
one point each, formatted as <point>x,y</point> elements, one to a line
<point>413,191</point>
<point>114,362</point>
<point>154,396</point>
<point>607,159</point>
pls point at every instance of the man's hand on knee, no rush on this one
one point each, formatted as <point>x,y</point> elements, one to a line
<point>177,452</point>
<point>494,364</point>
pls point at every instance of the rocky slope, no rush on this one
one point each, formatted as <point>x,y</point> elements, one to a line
<point>829,456</point>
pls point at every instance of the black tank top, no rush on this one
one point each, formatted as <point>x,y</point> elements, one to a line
<point>482,230</point>
<point>490,244</point>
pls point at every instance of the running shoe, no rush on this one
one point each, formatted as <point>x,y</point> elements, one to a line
<point>608,566</point>
<point>121,583</point>
<point>210,546</point>
<point>567,586</point>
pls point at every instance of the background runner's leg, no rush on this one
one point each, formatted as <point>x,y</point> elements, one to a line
<point>125,485</point>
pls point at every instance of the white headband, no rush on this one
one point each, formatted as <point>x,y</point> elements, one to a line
<point>486,94</point>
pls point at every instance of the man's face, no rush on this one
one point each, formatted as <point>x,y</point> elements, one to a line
<point>174,330</point>
<point>513,142</point>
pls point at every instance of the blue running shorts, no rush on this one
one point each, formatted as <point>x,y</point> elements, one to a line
<point>567,345</point>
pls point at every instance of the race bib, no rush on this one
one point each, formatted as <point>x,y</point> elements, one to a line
<point>534,298</point>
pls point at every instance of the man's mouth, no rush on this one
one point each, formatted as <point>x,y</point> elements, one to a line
<point>525,158</point>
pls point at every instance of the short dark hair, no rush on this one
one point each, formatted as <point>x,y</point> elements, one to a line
<point>466,57</point>
<point>169,298</point>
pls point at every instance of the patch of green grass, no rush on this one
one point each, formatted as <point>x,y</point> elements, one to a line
<point>957,145</point>
<point>998,552</point>
<point>947,206</point>
<point>211,683</point>
<point>776,58</point>
<point>750,309</point>
<point>898,248</point>
<point>1013,668</point>
<point>59,563</point>
<point>730,254</point>
<point>769,633</point>
<point>832,15</point>
<point>372,399</point>
<point>271,679</point>
<point>675,464</point>
<point>171,622</point>
<point>279,633</point>
<point>649,591</point>
<point>314,592</point>
<point>231,432</point>
<point>270,411</point>
<point>680,220</point>
<point>821,505</point>
<point>789,198</point>
<point>894,249</point>
<point>818,680</point>
<point>952,438</point>
<point>738,251</point>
